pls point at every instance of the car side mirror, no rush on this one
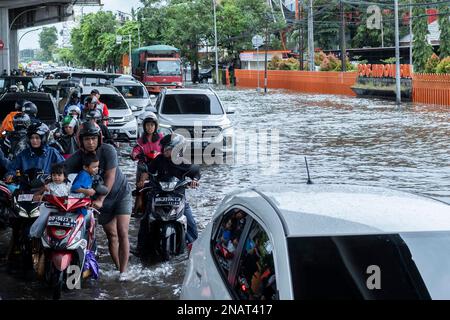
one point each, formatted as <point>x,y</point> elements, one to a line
<point>134,108</point>
<point>230,111</point>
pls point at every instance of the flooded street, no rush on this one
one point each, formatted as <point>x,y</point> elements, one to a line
<point>347,140</point>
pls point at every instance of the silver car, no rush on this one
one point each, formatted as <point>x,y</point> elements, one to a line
<point>322,242</point>
<point>197,114</point>
<point>135,94</point>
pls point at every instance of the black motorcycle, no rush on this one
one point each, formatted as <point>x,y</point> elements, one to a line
<point>24,250</point>
<point>166,220</point>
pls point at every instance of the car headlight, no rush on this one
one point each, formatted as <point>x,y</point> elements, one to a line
<point>129,118</point>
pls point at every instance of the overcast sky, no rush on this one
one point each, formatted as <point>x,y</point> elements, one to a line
<point>31,39</point>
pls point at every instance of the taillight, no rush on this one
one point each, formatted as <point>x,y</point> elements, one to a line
<point>59,232</point>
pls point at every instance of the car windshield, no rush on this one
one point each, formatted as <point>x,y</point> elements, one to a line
<point>191,104</point>
<point>112,101</point>
<point>133,92</point>
<point>164,68</point>
<point>391,266</point>
<point>46,109</point>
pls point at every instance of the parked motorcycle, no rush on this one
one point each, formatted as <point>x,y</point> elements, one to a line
<point>68,240</point>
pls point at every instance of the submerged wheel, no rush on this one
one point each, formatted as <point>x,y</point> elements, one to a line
<point>58,282</point>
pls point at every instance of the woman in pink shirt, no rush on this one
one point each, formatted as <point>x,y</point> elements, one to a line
<point>145,151</point>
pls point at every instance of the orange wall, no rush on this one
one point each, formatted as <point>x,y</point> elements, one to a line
<point>303,81</point>
<point>431,89</point>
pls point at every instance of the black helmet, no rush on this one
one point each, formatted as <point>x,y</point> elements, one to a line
<point>40,129</point>
<point>19,105</point>
<point>30,108</point>
<point>149,117</point>
<point>94,114</point>
<point>173,141</point>
<point>75,94</point>
<point>90,99</point>
<point>21,121</point>
<point>89,129</point>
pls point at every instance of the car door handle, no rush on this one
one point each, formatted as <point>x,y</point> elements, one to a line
<point>198,274</point>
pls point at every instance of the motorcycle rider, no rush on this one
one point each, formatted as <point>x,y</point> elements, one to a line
<point>95,116</point>
<point>147,148</point>
<point>75,112</point>
<point>16,140</point>
<point>169,164</point>
<point>102,106</point>
<point>74,100</point>
<point>39,155</point>
<point>7,124</point>
<point>67,141</point>
<point>115,207</point>
<point>31,109</point>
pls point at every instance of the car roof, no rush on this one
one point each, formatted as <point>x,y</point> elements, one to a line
<point>189,91</point>
<point>27,96</point>
<point>101,89</point>
<point>325,210</point>
<point>124,82</point>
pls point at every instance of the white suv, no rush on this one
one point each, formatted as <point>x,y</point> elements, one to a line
<point>199,115</point>
<point>122,123</point>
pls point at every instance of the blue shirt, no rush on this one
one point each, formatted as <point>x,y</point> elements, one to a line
<point>83,180</point>
<point>27,159</point>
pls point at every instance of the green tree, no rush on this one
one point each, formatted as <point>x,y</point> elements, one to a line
<point>88,39</point>
<point>422,50</point>
<point>444,26</point>
<point>65,55</point>
<point>47,42</point>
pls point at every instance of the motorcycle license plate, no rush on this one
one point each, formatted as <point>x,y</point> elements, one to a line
<point>25,197</point>
<point>61,221</point>
<point>167,201</point>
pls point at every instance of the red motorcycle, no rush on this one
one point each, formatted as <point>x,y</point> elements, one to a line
<point>68,240</point>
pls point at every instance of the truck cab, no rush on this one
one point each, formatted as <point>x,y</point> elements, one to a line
<point>158,67</point>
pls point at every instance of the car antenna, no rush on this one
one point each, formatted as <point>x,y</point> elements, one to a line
<point>307,170</point>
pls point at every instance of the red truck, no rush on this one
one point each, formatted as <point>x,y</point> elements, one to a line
<point>158,66</point>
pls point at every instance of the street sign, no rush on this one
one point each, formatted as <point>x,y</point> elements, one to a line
<point>118,39</point>
<point>2,45</point>
<point>257,41</point>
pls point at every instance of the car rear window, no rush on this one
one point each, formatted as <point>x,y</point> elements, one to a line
<point>132,92</point>
<point>390,266</point>
<point>112,101</point>
<point>46,110</point>
<point>191,104</point>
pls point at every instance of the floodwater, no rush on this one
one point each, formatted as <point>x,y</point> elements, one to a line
<point>346,140</point>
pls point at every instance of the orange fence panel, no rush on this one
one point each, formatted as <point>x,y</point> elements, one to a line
<point>303,81</point>
<point>431,88</point>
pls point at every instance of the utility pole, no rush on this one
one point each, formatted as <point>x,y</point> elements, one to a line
<point>265,59</point>
<point>215,43</point>
<point>311,36</point>
<point>397,56</point>
<point>343,50</point>
<point>410,35</point>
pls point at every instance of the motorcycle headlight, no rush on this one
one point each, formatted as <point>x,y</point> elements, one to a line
<point>168,186</point>
<point>35,212</point>
<point>23,213</point>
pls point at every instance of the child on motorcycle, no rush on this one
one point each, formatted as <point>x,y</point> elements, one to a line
<point>59,187</point>
<point>82,185</point>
